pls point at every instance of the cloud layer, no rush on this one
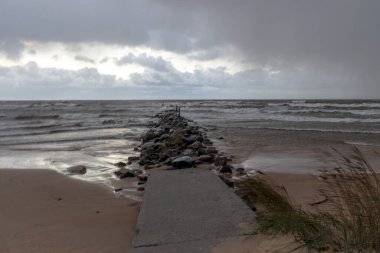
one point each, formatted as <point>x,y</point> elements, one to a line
<point>288,48</point>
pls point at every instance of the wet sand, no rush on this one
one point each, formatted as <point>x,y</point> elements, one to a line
<point>44,211</point>
<point>301,152</point>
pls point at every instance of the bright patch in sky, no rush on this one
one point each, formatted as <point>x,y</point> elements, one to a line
<point>104,58</point>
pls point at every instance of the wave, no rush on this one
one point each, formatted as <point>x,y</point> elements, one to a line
<point>319,130</point>
<point>29,117</point>
<point>337,105</point>
<point>362,143</point>
<point>335,111</point>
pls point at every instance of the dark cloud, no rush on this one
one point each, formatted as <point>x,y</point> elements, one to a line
<point>84,59</point>
<point>132,22</point>
<point>330,44</point>
<point>11,48</point>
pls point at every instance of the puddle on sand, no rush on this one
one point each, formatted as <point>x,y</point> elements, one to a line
<point>286,163</point>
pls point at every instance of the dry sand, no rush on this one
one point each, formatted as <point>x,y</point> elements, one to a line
<point>44,211</point>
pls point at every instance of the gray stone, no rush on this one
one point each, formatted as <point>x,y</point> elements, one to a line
<point>150,135</point>
<point>77,169</point>
<point>127,174</point>
<point>190,139</point>
<point>220,160</point>
<point>187,152</point>
<point>120,164</point>
<point>211,150</point>
<point>132,159</point>
<point>206,158</point>
<point>183,162</point>
<point>207,142</point>
<point>148,145</point>
<point>240,171</point>
<point>197,145</point>
<point>227,169</point>
<point>137,172</point>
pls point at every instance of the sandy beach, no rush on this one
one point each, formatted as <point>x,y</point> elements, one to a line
<point>44,211</point>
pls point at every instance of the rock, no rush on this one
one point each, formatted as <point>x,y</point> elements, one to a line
<point>220,138</point>
<point>118,189</point>
<point>201,151</point>
<point>162,157</point>
<point>164,137</point>
<point>136,172</point>
<point>120,164</point>
<point>177,137</point>
<point>150,135</point>
<point>199,138</point>
<point>132,159</point>
<point>190,139</point>
<point>206,158</point>
<point>211,151</point>
<point>148,145</point>
<point>226,169</point>
<point>120,172</point>
<point>187,152</point>
<point>220,161</point>
<point>183,162</point>
<point>142,177</point>
<point>77,169</point>
<point>148,167</point>
<point>127,174</point>
<point>197,145</point>
<point>207,142</point>
<point>141,188</point>
<point>240,171</point>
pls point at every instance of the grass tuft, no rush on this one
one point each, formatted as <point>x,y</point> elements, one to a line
<point>352,222</point>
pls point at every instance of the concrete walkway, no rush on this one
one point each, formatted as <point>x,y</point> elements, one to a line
<point>188,210</point>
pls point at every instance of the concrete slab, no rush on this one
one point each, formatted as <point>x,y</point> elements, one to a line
<point>189,209</point>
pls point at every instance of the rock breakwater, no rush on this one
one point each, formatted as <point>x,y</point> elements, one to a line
<point>175,142</point>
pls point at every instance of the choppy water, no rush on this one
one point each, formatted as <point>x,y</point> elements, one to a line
<point>58,134</point>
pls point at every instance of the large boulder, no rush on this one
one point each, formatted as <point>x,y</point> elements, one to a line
<point>197,145</point>
<point>127,174</point>
<point>206,158</point>
<point>77,169</point>
<point>183,162</point>
<point>120,164</point>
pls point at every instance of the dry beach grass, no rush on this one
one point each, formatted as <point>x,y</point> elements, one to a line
<point>348,222</point>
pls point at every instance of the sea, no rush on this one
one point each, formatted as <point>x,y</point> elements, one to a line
<point>59,134</point>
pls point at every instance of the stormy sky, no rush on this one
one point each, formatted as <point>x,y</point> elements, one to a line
<point>198,49</point>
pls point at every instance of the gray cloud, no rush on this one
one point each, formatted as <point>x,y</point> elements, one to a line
<point>332,45</point>
<point>84,59</point>
<point>144,60</point>
<point>11,48</point>
<point>33,82</point>
<point>132,22</point>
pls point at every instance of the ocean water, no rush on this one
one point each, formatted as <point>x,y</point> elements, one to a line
<point>97,134</point>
